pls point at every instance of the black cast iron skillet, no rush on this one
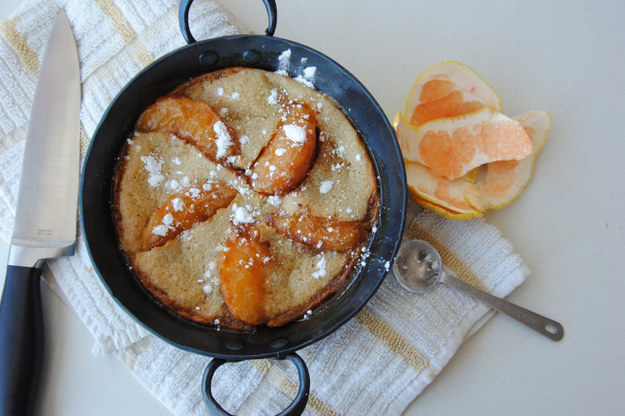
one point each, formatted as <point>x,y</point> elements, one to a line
<point>102,242</point>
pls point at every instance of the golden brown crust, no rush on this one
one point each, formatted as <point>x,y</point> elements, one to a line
<point>117,215</point>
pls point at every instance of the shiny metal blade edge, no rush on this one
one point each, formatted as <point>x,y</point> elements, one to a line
<point>46,214</point>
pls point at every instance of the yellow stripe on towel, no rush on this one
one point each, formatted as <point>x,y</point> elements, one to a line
<point>117,19</point>
<point>393,339</point>
<point>28,57</point>
<point>125,31</point>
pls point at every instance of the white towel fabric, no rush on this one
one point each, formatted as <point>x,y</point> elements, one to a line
<point>377,363</point>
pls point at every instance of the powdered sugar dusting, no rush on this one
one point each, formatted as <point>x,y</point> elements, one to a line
<point>240,215</point>
<point>275,200</point>
<point>320,266</point>
<point>207,288</point>
<point>307,77</point>
<point>177,204</point>
<point>310,71</point>
<point>326,186</point>
<point>168,220</point>
<point>273,97</point>
<point>283,62</point>
<point>160,230</point>
<point>224,141</point>
<point>174,184</point>
<point>193,193</point>
<point>295,133</point>
<point>153,167</point>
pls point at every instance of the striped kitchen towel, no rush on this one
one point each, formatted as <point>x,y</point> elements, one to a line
<point>377,363</point>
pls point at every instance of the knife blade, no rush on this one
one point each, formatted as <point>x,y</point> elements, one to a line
<point>46,216</point>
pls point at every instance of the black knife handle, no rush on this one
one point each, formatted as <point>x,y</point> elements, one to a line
<point>21,340</point>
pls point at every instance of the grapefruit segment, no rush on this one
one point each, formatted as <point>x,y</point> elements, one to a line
<point>449,89</point>
<point>451,147</point>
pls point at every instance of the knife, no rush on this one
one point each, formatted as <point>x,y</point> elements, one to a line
<point>45,219</point>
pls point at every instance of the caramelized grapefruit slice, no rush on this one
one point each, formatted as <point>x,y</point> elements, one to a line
<point>451,147</point>
<point>244,268</point>
<point>320,232</point>
<point>185,208</point>
<point>193,121</point>
<point>449,89</point>
<point>288,156</point>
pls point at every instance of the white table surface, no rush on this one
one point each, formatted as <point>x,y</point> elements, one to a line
<point>568,225</point>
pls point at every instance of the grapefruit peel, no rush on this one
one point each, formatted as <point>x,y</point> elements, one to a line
<point>462,182</point>
<point>511,177</point>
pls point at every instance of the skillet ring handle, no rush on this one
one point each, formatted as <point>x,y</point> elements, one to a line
<point>295,408</point>
<point>183,17</point>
